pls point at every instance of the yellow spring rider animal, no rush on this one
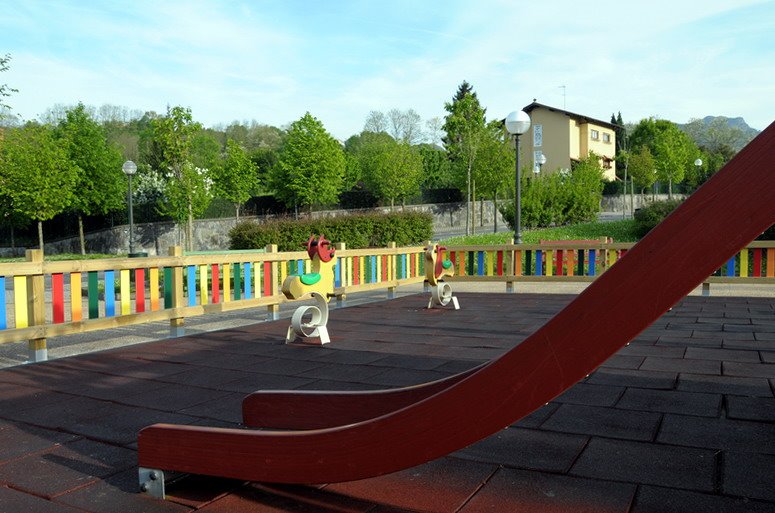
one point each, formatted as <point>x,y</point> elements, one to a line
<point>436,268</point>
<point>319,284</point>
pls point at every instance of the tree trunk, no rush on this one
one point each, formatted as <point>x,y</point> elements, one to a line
<point>495,211</point>
<point>190,228</point>
<point>468,200</point>
<point>236,209</point>
<point>481,211</point>
<point>670,188</point>
<point>472,205</point>
<point>80,235</point>
<point>392,204</point>
<point>40,235</point>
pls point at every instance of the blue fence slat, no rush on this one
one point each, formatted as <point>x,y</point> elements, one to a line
<point>480,263</point>
<point>539,262</point>
<point>338,273</point>
<point>731,267</point>
<point>373,269</point>
<point>110,294</point>
<point>3,322</point>
<point>191,278</point>
<point>248,280</point>
<point>592,262</point>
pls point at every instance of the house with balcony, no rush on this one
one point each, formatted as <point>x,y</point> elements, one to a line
<point>564,138</point>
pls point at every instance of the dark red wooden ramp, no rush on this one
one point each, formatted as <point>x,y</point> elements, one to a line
<point>717,221</point>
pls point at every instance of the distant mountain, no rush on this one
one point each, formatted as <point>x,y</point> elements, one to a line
<point>734,123</point>
<point>714,130</point>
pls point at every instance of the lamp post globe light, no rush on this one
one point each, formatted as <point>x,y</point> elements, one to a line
<point>698,163</point>
<point>129,168</point>
<point>541,162</point>
<point>517,123</point>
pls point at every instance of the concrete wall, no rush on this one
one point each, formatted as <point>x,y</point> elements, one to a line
<point>213,234</point>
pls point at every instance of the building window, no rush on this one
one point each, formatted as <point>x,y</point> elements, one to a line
<point>606,138</point>
<point>594,134</point>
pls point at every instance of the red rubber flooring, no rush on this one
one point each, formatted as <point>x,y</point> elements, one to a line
<point>682,419</point>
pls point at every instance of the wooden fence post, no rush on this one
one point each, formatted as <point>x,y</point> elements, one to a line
<point>177,329</point>
<point>341,299</point>
<point>273,309</point>
<point>391,270</point>
<point>36,306</point>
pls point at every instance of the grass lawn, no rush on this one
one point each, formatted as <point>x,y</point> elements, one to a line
<point>620,231</point>
<point>66,256</point>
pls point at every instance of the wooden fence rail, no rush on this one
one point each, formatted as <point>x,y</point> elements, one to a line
<point>44,299</point>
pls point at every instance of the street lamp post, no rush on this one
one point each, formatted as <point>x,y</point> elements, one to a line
<point>698,163</point>
<point>517,123</point>
<point>129,168</point>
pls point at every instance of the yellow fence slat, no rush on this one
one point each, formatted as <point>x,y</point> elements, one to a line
<point>203,292</point>
<point>126,295</point>
<point>153,283</point>
<point>76,297</point>
<point>226,268</point>
<point>20,301</point>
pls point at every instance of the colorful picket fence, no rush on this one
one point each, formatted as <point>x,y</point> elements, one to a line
<point>44,299</point>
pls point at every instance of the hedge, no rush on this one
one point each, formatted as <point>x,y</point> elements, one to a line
<point>651,215</point>
<point>356,231</point>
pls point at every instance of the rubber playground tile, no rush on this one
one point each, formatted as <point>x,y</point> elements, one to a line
<point>749,370</point>
<point>549,493</point>
<point>751,408</point>
<point>682,365</point>
<point>608,422</point>
<point>527,449</point>
<point>173,397</point>
<point>648,463</point>
<point>18,439</point>
<point>13,501</point>
<point>66,467</point>
<point>749,475</point>
<point>353,373</point>
<point>724,434</point>
<point>757,387</point>
<point>267,498</point>
<point>591,395</point>
<point>671,401</point>
<point>538,417</point>
<point>117,494</point>
<point>395,377</point>
<point>633,378</point>
<point>619,361</point>
<point>652,499</point>
<point>727,355</point>
<point>441,486</point>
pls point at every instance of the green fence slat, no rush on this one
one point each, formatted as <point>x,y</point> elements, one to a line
<point>94,295</point>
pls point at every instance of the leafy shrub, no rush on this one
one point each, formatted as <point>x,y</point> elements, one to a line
<point>649,216</point>
<point>559,198</point>
<point>356,231</point>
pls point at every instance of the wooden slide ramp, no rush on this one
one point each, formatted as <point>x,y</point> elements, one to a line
<point>331,437</point>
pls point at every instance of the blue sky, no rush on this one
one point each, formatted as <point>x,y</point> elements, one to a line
<point>273,61</point>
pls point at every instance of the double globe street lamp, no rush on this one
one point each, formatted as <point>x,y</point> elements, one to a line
<point>517,123</point>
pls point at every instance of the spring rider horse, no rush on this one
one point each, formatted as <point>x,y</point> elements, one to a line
<point>319,284</point>
<point>436,268</point>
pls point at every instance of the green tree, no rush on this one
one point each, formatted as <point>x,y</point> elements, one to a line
<point>671,148</point>
<point>310,167</point>
<point>642,168</point>
<point>236,178</point>
<point>5,91</point>
<point>187,191</point>
<point>494,168</point>
<point>100,181</point>
<point>36,174</point>
<point>391,169</point>
<point>436,168</point>
<point>465,126</point>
